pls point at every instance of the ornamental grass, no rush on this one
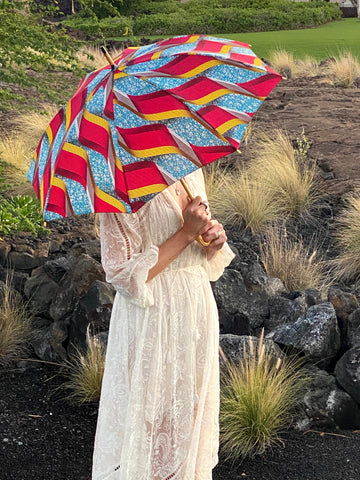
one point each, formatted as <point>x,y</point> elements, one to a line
<point>31,125</point>
<point>85,372</point>
<point>15,155</point>
<point>15,324</point>
<point>343,70</point>
<point>259,396</point>
<point>283,62</point>
<point>347,234</point>
<point>242,202</point>
<point>297,265</point>
<point>285,174</point>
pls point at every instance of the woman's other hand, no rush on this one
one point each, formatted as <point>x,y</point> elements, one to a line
<point>196,216</point>
<point>213,232</point>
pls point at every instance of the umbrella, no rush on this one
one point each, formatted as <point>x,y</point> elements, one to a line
<point>152,116</point>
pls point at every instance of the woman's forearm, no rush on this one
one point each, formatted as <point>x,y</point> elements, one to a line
<point>169,250</point>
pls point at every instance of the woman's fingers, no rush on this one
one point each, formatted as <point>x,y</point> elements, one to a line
<point>209,225</point>
<point>214,233</point>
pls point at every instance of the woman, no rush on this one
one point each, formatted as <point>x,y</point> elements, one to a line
<point>158,413</point>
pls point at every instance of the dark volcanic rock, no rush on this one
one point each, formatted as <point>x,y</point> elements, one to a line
<point>40,289</point>
<point>57,268</point>
<point>353,329</point>
<point>234,346</point>
<point>344,304</point>
<point>48,342</point>
<point>283,311</point>
<point>347,372</point>
<point>235,324</point>
<point>234,297</point>
<point>316,334</point>
<point>326,405</point>
<point>97,304</point>
<point>74,284</point>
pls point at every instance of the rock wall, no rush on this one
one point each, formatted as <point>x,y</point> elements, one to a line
<point>62,280</point>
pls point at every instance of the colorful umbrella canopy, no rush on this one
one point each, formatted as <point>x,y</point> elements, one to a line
<point>157,114</point>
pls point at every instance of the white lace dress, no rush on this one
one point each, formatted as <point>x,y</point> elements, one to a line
<point>158,412</point>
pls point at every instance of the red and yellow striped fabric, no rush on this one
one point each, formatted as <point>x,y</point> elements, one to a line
<point>159,113</point>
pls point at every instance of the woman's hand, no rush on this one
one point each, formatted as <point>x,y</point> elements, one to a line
<point>196,216</point>
<point>213,231</point>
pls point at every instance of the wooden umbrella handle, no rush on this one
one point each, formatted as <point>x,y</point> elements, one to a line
<point>191,196</point>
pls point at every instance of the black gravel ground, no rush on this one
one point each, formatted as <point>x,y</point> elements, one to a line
<point>42,436</point>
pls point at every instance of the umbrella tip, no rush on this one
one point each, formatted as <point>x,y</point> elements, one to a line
<point>108,56</point>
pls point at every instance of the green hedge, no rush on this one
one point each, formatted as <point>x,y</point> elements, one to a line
<point>195,18</point>
<point>104,28</point>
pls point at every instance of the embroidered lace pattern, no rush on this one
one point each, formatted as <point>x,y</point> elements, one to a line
<point>158,413</point>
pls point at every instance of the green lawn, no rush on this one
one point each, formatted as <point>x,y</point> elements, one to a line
<point>321,42</point>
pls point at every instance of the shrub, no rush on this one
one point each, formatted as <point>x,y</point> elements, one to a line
<point>223,16</point>
<point>85,373</point>
<point>298,266</point>
<point>24,42</point>
<point>258,398</point>
<point>15,324</point>
<point>102,29</point>
<point>21,213</point>
<point>347,234</point>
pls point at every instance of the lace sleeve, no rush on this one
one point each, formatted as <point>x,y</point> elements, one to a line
<point>125,261</point>
<point>216,266</point>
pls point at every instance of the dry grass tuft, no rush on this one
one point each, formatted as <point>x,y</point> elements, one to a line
<point>307,67</point>
<point>258,398</point>
<point>214,179</point>
<point>298,266</point>
<point>32,125</point>
<point>92,57</point>
<point>287,177</point>
<point>15,324</point>
<point>347,264</point>
<point>86,373</point>
<point>15,154</point>
<point>283,62</point>
<point>279,182</point>
<point>241,201</point>
<point>343,70</point>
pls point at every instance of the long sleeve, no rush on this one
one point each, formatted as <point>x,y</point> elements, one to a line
<point>216,265</point>
<point>125,260</point>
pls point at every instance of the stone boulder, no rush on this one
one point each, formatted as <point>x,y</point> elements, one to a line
<point>353,329</point>
<point>233,297</point>
<point>48,342</point>
<point>74,284</point>
<point>345,304</point>
<point>234,324</point>
<point>57,268</point>
<point>93,309</point>
<point>347,372</point>
<point>326,405</point>
<point>97,304</point>
<point>90,247</point>
<point>274,286</point>
<point>283,311</point>
<point>316,334</point>
<point>40,289</point>
<point>234,346</point>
